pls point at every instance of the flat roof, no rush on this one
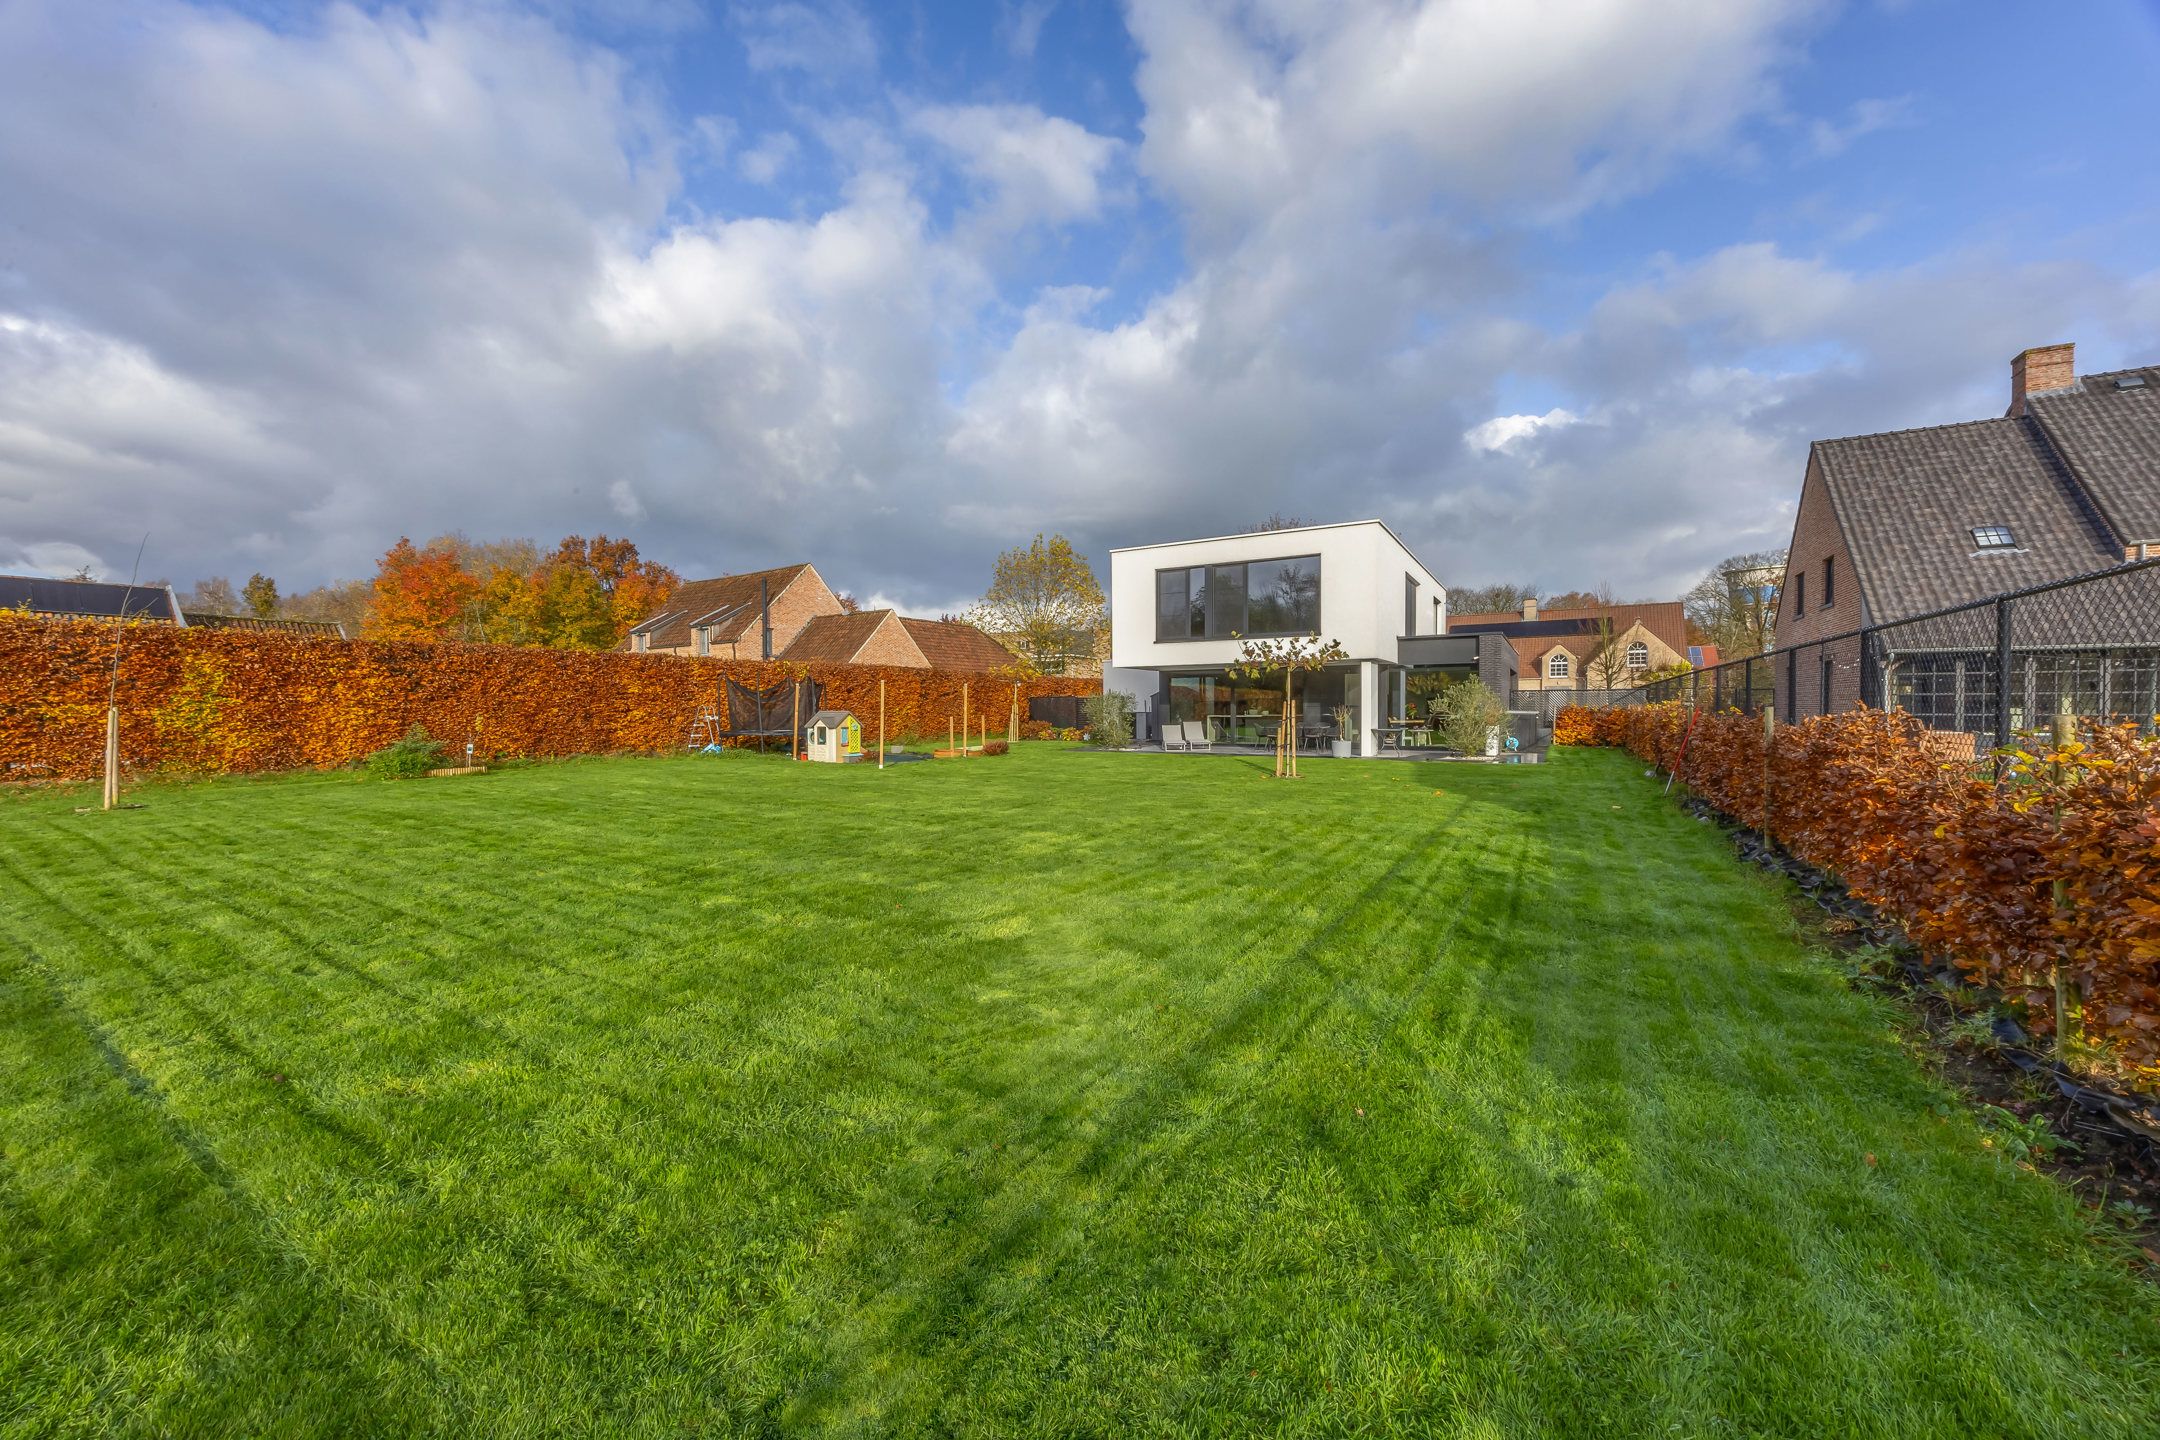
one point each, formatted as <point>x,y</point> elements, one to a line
<point>1287,530</point>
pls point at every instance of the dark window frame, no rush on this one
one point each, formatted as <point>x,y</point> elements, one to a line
<point>1409,609</point>
<point>1829,581</point>
<point>1799,594</point>
<point>1208,599</point>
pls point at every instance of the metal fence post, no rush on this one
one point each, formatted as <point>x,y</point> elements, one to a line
<point>2002,673</point>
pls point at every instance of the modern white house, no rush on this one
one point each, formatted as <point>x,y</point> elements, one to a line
<point>1180,610</point>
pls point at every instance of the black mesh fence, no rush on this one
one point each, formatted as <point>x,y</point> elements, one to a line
<point>1986,672</point>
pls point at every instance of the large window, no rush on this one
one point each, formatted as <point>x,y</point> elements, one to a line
<point>1409,605</point>
<point>1638,655</point>
<point>1215,602</point>
<point>1556,668</point>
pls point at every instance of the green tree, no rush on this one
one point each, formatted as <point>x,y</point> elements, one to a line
<point>261,596</point>
<point>1044,602</point>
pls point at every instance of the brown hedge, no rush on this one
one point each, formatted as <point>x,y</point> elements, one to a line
<point>1965,857</point>
<point>238,701</point>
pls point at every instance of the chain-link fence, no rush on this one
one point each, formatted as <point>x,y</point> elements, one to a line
<point>1983,672</point>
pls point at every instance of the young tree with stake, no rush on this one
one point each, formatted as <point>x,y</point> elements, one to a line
<point>1290,657</point>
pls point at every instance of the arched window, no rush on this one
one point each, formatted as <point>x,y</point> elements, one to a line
<point>1556,668</point>
<point>1638,655</point>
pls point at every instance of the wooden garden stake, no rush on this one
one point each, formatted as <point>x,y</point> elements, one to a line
<point>794,744</point>
<point>1012,728</point>
<point>963,719</point>
<point>881,723</point>
<point>112,756</point>
<point>1769,734</point>
<point>2069,1023</point>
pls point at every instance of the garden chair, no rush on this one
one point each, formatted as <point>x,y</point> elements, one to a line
<point>1198,736</point>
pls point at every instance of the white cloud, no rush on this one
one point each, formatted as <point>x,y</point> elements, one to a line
<point>1036,167</point>
<point>1509,432</point>
<point>762,163</point>
<point>1829,138</point>
<point>826,37</point>
<point>293,292</point>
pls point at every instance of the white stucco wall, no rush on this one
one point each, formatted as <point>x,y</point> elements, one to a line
<point>1362,566</point>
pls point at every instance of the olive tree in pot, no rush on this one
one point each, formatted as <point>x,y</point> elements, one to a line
<point>1342,745</point>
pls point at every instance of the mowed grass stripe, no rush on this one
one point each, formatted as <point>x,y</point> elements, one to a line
<point>1011,1096</point>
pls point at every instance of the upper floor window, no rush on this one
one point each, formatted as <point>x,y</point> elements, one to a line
<point>1829,581</point>
<point>1638,655</point>
<point>1993,537</point>
<point>1556,667</point>
<point>1262,597</point>
<point>1799,593</point>
<point>1409,605</point>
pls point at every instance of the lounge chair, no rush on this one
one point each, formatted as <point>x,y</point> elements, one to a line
<point>1197,735</point>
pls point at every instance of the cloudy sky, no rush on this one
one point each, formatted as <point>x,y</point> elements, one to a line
<point>1561,290</point>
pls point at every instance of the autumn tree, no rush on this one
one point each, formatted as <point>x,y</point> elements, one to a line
<point>849,605</point>
<point>419,594</point>
<point>1044,601</point>
<point>594,591</point>
<point>260,595</point>
<point>1734,607</point>
<point>1279,521</point>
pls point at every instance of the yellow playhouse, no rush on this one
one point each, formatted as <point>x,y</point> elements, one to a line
<point>834,736</point>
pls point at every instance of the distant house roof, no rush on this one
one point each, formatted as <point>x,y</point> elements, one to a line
<point>728,604</point>
<point>1909,502</point>
<point>957,645</point>
<point>835,639</point>
<point>1666,619</point>
<point>88,599</point>
<point>322,629</point>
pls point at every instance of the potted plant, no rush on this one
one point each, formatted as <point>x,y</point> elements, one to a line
<point>1341,743</point>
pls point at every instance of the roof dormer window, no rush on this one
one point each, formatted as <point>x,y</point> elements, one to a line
<point>1993,537</point>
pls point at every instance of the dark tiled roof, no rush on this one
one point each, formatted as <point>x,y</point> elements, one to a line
<point>94,599</point>
<point>957,645</point>
<point>835,639</point>
<point>2109,436</point>
<point>325,629</point>
<point>1908,501</point>
<point>727,603</point>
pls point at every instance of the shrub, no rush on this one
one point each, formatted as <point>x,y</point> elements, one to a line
<point>1464,713</point>
<point>1109,719</point>
<point>994,747</point>
<point>407,759</point>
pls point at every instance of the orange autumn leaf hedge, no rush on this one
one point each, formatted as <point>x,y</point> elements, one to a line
<point>1963,858</point>
<point>237,701</point>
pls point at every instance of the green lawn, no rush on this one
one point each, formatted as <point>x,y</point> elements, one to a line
<point>1054,1094</point>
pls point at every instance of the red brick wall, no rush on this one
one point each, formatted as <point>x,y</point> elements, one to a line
<point>890,644</point>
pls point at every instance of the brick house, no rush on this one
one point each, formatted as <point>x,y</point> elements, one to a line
<point>1556,649</point>
<point>2065,483</point>
<point>883,637</point>
<point>727,615</point>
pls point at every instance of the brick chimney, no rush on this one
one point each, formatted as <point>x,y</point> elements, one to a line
<point>2039,370</point>
<point>1529,607</point>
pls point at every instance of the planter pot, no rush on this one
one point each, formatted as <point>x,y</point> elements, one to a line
<point>1341,748</point>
